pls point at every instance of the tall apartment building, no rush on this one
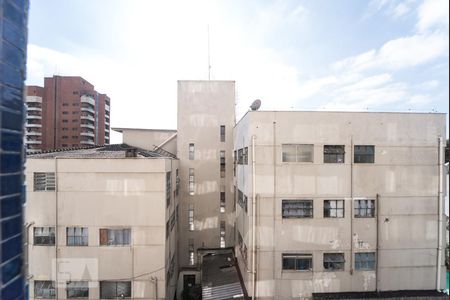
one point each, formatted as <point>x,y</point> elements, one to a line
<point>333,202</point>
<point>13,47</point>
<point>204,147</point>
<point>102,224</point>
<point>67,112</point>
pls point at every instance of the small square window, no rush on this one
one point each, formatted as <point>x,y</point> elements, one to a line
<point>44,236</point>
<point>297,152</point>
<point>333,261</point>
<point>77,289</point>
<point>333,208</point>
<point>77,236</point>
<point>365,261</point>
<point>334,154</point>
<point>364,154</point>
<point>44,289</point>
<point>364,208</point>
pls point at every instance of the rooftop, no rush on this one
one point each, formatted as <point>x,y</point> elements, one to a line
<point>100,151</point>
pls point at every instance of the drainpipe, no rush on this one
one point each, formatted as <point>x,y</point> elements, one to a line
<point>351,206</point>
<point>56,229</point>
<point>155,280</point>
<point>377,262</point>
<point>440,198</point>
<point>253,221</point>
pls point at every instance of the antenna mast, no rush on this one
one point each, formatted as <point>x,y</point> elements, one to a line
<point>209,59</point>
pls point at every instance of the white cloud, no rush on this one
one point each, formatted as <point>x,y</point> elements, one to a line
<point>400,10</point>
<point>433,14</point>
<point>399,53</point>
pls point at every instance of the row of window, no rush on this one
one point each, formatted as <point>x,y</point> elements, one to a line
<point>331,153</point>
<point>79,236</point>
<point>362,208</point>
<point>80,289</point>
<point>331,261</point>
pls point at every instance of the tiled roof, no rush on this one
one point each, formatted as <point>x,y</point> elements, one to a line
<point>98,151</point>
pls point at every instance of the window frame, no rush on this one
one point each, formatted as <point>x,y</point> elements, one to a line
<point>297,153</point>
<point>333,151</point>
<point>51,289</point>
<point>331,262</point>
<point>297,257</point>
<point>116,283</point>
<point>358,157</point>
<point>109,242</point>
<point>47,179</point>
<point>84,238</point>
<point>191,150</point>
<point>297,201</point>
<point>336,208</point>
<point>83,289</point>
<point>365,265</point>
<point>366,208</point>
<point>50,236</point>
<point>222,133</point>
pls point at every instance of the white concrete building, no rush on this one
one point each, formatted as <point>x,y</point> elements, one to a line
<point>343,202</point>
<point>101,224</point>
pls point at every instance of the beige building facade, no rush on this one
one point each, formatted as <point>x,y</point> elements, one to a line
<point>204,147</point>
<point>343,202</point>
<point>101,224</point>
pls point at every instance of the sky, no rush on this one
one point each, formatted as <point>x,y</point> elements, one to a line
<point>373,55</point>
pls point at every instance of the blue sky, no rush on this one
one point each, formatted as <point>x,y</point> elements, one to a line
<point>374,55</point>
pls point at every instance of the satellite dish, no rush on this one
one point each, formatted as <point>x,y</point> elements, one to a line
<point>255,105</point>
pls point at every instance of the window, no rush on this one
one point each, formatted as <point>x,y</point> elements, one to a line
<point>245,156</point>
<point>222,164</point>
<point>234,162</point>
<point>168,187</point>
<point>44,181</point>
<point>115,289</point>
<point>64,129</point>
<point>334,154</point>
<point>74,136</point>
<point>191,151</point>
<point>74,112</point>
<point>191,182</point>
<point>74,129</point>
<point>65,137</point>
<point>77,236</point>
<point>333,208</point>
<point>333,261</point>
<point>191,217</point>
<point>65,112</point>
<point>297,208</point>
<point>77,289</point>
<point>74,121</point>
<point>222,198</point>
<point>297,153</point>
<point>177,182</point>
<point>115,237</point>
<point>297,262</point>
<point>364,208</point>
<point>365,261</point>
<point>222,234</point>
<point>191,252</point>
<point>44,289</point>
<point>240,156</point>
<point>242,200</point>
<point>65,121</point>
<point>65,104</point>
<point>242,247</point>
<point>364,154</point>
<point>222,133</point>
<point>44,236</point>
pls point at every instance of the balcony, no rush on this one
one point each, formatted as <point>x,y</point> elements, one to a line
<point>87,99</point>
<point>33,125</point>
<point>88,109</point>
<point>33,133</point>
<point>33,99</point>
<point>34,108</point>
<point>86,133</point>
<point>107,108</point>
<point>107,129</point>
<point>87,142</point>
<point>33,142</point>
<point>87,125</point>
<point>36,117</point>
<point>87,117</point>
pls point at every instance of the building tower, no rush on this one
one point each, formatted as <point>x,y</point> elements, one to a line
<point>67,112</point>
<point>205,143</point>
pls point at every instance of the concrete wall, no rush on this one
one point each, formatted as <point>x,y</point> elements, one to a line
<point>149,138</point>
<point>404,175</point>
<point>104,193</point>
<point>203,106</point>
